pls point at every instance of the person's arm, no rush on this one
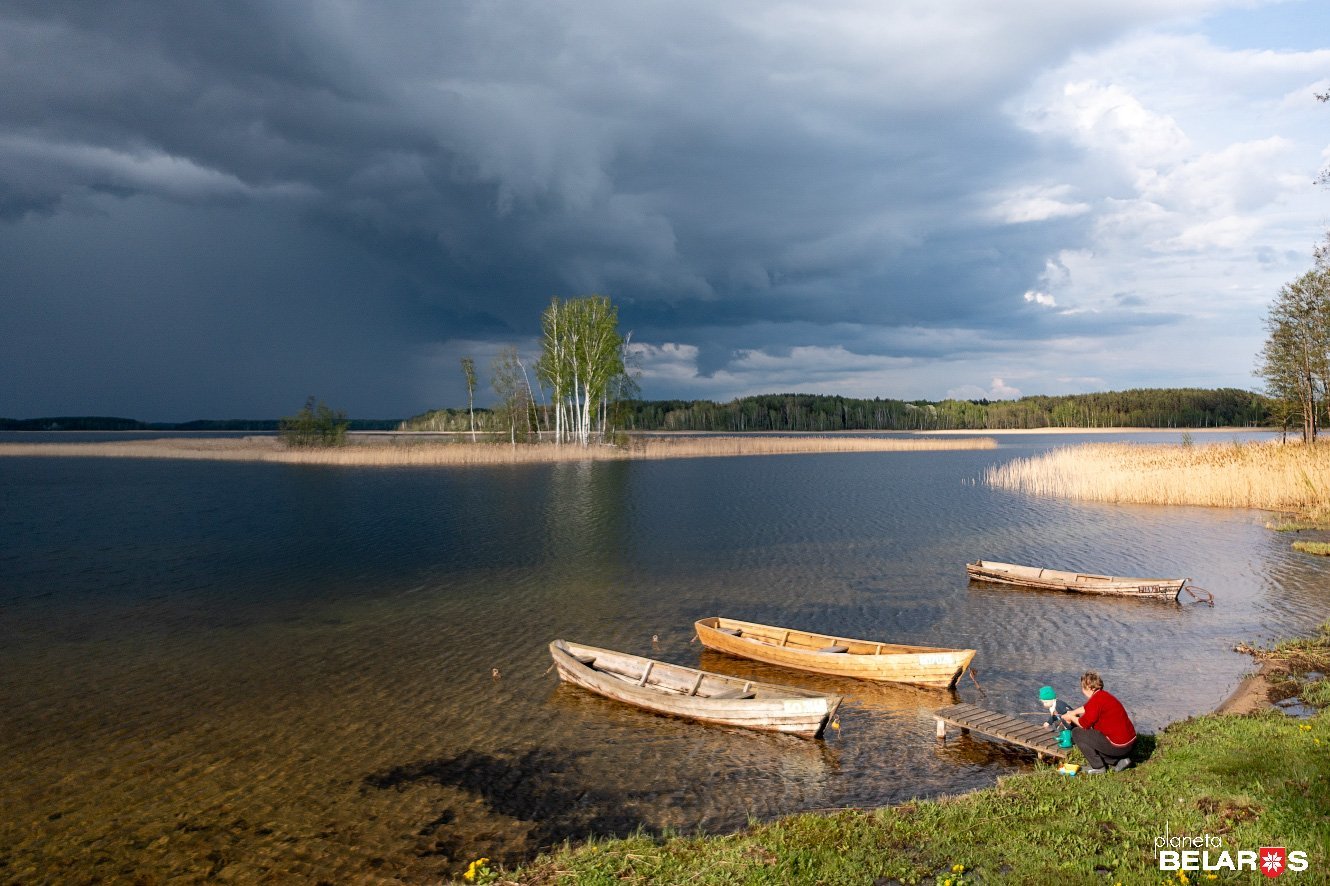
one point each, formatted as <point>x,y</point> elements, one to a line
<point>1074,717</point>
<point>1088,714</point>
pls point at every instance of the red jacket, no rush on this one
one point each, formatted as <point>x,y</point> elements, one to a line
<point>1105,713</point>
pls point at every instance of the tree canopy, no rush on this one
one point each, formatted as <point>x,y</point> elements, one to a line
<point>1295,362</point>
<point>580,361</point>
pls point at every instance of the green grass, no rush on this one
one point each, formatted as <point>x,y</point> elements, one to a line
<point>1320,548</point>
<point>1253,781</point>
<point>1292,526</point>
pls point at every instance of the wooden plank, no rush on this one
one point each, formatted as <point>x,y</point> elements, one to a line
<point>991,721</point>
<point>1002,727</point>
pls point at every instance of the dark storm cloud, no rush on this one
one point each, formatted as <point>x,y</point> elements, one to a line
<point>217,208</point>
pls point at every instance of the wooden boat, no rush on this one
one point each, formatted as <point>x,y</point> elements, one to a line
<point>934,666</point>
<point>697,695</point>
<point>1080,582</point>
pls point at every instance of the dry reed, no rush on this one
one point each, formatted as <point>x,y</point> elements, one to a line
<point>1270,476</point>
<point>414,452</point>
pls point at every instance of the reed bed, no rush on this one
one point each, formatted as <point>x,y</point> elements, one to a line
<point>1270,476</point>
<point>417,453</point>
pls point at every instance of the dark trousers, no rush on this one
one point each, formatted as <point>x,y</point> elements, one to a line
<point>1100,753</point>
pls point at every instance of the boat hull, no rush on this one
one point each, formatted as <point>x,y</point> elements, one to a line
<point>931,666</point>
<point>678,691</point>
<point>1076,582</point>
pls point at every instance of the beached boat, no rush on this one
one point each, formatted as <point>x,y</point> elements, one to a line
<point>1079,582</point>
<point>697,695</point>
<point>935,666</point>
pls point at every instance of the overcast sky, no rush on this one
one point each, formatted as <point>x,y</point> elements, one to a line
<point>216,209</point>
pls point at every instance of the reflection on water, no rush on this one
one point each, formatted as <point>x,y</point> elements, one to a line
<point>257,671</point>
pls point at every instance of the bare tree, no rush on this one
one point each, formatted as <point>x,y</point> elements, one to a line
<point>509,380</point>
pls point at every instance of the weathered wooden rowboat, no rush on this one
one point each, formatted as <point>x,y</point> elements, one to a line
<point>1080,582</point>
<point>697,695</point>
<point>934,666</point>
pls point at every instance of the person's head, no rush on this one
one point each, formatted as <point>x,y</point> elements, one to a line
<point>1091,683</point>
<point>1048,697</point>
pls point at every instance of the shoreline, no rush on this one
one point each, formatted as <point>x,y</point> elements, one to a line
<point>1033,826</point>
<point>1062,430</point>
<point>1252,694</point>
<point>422,453</point>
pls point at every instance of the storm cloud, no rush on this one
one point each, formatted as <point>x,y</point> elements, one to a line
<point>217,209</point>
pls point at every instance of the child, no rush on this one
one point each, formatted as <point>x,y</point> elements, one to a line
<point>1049,699</point>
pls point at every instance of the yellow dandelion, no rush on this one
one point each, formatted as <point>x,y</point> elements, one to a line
<point>958,869</point>
<point>1304,727</point>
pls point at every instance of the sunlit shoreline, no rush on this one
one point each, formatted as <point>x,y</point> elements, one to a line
<point>395,451</point>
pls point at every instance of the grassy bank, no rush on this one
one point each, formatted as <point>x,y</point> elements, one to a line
<point>1248,781</point>
<point>1269,475</point>
<point>414,452</point>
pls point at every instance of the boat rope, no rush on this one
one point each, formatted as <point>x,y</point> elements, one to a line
<point>1196,598</point>
<point>975,680</point>
<point>548,669</point>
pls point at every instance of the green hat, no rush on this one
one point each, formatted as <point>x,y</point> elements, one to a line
<point>1046,693</point>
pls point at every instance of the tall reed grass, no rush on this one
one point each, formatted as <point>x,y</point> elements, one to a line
<point>411,452</point>
<point>1270,476</point>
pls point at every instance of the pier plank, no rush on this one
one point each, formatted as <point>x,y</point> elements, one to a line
<point>1000,726</point>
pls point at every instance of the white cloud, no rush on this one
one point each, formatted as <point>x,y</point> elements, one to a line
<point>666,364</point>
<point>998,390</point>
<point>1197,168</point>
<point>1036,203</point>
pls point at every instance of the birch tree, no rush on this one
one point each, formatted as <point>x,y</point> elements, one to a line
<point>582,354</point>
<point>469,370</point>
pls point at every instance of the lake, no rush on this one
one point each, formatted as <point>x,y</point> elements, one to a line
<point>266,671</point>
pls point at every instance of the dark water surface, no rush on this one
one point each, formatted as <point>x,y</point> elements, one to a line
<point>270,671</point>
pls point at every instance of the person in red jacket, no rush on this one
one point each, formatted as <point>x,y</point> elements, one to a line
<point>1102,730</point>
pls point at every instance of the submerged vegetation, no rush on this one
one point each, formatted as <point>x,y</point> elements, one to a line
<point>1199,777</point>
<point>1319,548</point>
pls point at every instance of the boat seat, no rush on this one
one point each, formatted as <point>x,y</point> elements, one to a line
<point>587,660</point>
<point>834,649</point>
<point>736,694</point>
<point>733,632</point>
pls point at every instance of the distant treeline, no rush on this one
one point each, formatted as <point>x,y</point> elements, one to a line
<point>1161,408</point>
<point>1141,408</point>
<point>103,423</point>
<point>1158,408</point>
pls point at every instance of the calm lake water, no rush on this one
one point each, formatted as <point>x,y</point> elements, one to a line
<point>263,671</point>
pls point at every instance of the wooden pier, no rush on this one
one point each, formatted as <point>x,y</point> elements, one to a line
<point>969,718</point>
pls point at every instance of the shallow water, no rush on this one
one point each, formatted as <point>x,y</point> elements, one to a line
<point>283,671</point>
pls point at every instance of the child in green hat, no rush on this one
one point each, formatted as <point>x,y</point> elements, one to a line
<point>1048,697</point>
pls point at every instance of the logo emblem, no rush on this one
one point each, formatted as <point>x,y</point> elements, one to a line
<point>1272,860</point>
